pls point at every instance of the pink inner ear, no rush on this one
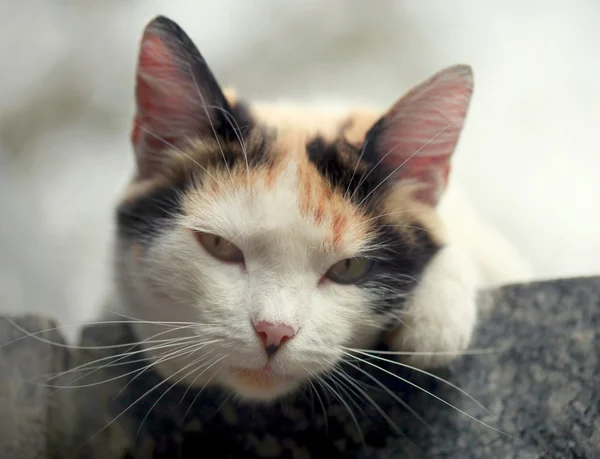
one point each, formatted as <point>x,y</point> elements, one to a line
<point>164,108</point>
<point>421,130</point>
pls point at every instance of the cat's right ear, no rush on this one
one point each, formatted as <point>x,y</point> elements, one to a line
<point>177,96</point>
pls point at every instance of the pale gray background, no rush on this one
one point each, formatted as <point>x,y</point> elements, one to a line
<point>529,156</point>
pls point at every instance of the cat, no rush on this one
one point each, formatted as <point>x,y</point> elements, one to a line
<point>276,237</point>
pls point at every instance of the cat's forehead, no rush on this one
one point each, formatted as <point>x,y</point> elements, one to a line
<point>330,121</point>
<point>283,197</point>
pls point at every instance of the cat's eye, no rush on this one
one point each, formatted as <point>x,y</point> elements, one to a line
<point>219,247</point>
<point>350,270</point>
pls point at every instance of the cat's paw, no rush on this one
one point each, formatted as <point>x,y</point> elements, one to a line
<point>439,319</point>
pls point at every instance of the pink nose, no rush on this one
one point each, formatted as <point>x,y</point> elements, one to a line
<point>273,335</point>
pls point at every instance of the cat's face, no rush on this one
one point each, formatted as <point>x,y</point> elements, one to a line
<point>271,246</point>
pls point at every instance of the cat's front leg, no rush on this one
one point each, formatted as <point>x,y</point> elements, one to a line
<point>439,319</point>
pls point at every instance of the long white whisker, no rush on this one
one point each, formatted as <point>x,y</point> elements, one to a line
<point>490,350</point>
<point>325,419</point>
<point>342,379</point>
<point>212,126</point>
<point>27,334</point>
<point>433,395</point>
<point>139,371</point>
<point>167,343</point>
<point>118,357</point>
<point>181,152</point>
<point>394,396</point>
<point>362,152</point>
<point>403,163</point>
<point>203,387</point>
<point>164,381</point>
<point>160,322</point>
<point>341,399</point>
<point>199,359</point>
<point>437,378</point>
<point>237,130</point>
<point>173,355</point>
<point>382,413</point>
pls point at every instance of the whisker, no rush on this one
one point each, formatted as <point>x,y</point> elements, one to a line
<point>53,343</point>
<point>489,350</point>
<point>404,404</point>
<point>377,217</point>
<point>173,355</point>
<point>117,358</point>
<point>203,387</point>
<point>325,419</point>
<point>362,152</point>
<point>400,225</point>
<point>189,387</point>
<point>70,385</point>
<point>223,404</point>
<point>173,385</point>
<point>28,334</point>
<point>403,163</point>
<point>387,214</point>
<point>433,395</point>
<point>212,126</point>
<point>341,399</point>
<point>181,152</point>
<point>337,376</point>
<point>382,413</point>
<point>167,343</point>
<point>137,320</point>
<point>434,376</point>
<point>369,387</point>
<point>156,386</point>
<point>237,130</point>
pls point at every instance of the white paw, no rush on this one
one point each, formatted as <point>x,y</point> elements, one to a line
<point>438,321</point>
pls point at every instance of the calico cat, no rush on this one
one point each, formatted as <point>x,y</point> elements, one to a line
<point>279,237</point>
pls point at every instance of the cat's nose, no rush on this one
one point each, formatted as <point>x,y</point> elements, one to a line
<point>273,335</point>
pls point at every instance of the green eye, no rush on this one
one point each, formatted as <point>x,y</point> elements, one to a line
<point>220,247</point>
<point>350,270</point>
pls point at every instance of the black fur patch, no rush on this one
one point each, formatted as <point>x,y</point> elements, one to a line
<point>241,114</point>
<point>398,267</point>
<point>232,154</point>
<point>148,216</point>
<point>327,157</point>
<point>402,259</point>
<point>371,154</point>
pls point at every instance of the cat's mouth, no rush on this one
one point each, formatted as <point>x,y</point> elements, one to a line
<point>260,376</point>
<point>261,383</point>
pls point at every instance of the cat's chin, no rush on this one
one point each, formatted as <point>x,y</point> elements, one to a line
<point>259,385</point>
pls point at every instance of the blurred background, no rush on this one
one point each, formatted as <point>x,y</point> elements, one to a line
<point>529,156</point>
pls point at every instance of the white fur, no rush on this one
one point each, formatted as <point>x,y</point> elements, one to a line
<point>441,314</point>
<point>497,261</point>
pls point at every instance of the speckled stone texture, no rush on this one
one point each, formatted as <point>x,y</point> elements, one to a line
<point>26,406</point>
<point>541,385</point>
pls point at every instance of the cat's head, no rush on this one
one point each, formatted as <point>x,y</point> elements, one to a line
<point>270,242</point>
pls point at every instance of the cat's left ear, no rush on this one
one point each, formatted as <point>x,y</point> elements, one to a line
<point>418,135</point>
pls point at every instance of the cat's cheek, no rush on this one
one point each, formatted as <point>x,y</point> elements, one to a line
<point>349,318</point>
<point>441,315</point>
